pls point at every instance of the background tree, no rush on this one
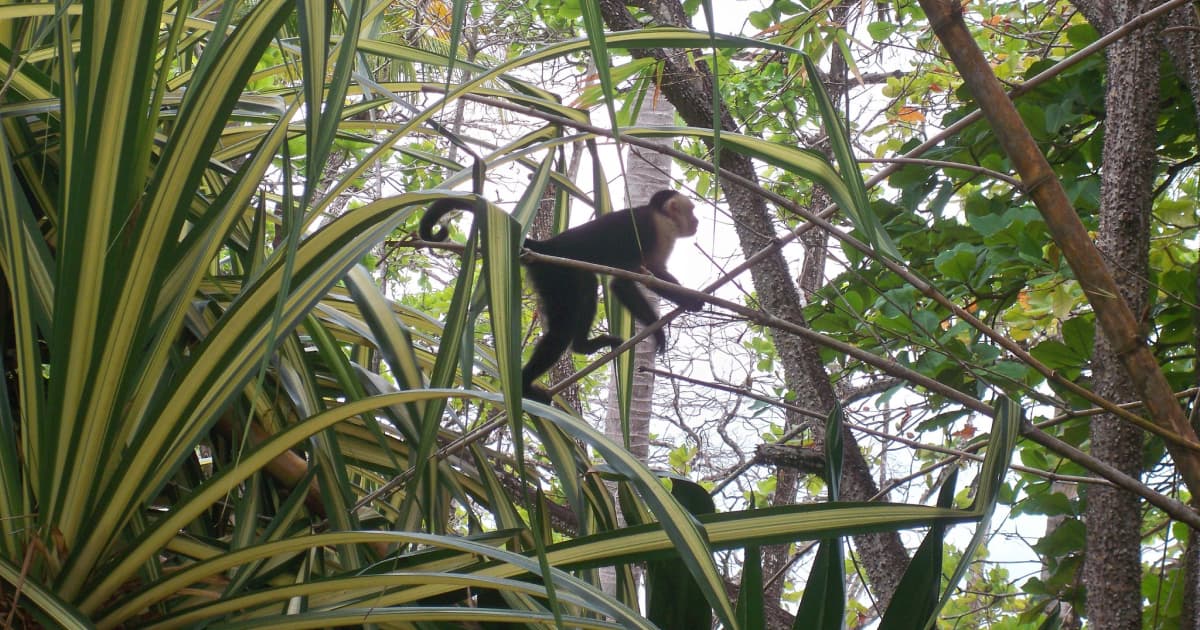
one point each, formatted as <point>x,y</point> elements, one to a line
<point>1112,571</point>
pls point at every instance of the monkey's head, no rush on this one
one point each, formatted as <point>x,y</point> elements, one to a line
<point>679,209</point>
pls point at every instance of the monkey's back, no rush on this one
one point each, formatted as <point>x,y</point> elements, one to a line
<point>616,239</point>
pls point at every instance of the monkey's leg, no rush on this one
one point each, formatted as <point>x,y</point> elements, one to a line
<point>629,295</point>
<point>583,345</point>
<point>556,290</point>
<point>546,351</point>
<point>556,338</point>
<point>585,306</point>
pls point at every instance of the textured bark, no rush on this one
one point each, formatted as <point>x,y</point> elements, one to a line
<point>1101,14</point>
<point>810,461</point>
<point>1112,566</point>
<point>1189,616</point>
<point>542,228</point>
<point>646,172</point>
<point>1181,39</point>
<point>690,89</point>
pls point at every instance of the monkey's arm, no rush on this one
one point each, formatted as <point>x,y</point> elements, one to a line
<point>686,301</point>
<point>628,294</point>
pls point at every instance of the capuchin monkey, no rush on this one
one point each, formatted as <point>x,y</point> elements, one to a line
<point>637,239</point>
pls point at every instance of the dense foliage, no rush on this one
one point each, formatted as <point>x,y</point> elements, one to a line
<point>239,392</point>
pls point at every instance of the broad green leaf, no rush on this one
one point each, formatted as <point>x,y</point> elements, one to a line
<point>824,602</point>
<point>915,602</point>
<point>673,599</point>
<point>859,209</point>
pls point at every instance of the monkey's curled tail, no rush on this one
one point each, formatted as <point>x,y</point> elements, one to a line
<point>429,229</point>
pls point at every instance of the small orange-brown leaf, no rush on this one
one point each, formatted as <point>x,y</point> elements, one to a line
<point>910,114</point>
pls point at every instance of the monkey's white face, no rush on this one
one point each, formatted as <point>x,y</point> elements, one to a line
<point>681,210</point>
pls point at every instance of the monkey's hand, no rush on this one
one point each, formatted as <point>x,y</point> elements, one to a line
<point>691,303</point>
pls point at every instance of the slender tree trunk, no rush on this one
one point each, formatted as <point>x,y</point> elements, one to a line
<point>1181,39</point>
<point>1189,617</point>
<point>1112,567</point>
<point>646,172</point>
<point>777,558</point>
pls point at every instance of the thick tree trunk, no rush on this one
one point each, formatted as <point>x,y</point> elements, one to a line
<point>690,89</point>
<point>1112,568</point>
<point>1189,617</point>
<point>1181,41</point>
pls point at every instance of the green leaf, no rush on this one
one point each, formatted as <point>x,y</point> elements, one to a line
<point>915,602</point>
<point>881,31</point>
<point>598,43</point>
<point>959,263</point>
<point>63,614</point>
<point>824,602</point>
<point>750,605</point>
<point>1057,355</point>
<point>859,206</point>
<point>231,354</point>
<point>673,599</point>
<point>760,19</point>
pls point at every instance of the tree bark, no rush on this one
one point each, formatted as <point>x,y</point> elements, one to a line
<point>1112,566</point>
<point>646,173</point>
<point>1181,41</point>
<point>690,89</point>
<point>1189,616</point>
<point>1180,38</point>
<point>542,229</point>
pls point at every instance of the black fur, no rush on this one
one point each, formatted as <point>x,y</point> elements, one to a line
<point>567,296</point>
